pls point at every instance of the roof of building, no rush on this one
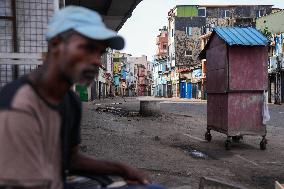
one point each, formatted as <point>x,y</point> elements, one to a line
<point>241,36</point>
<point>278,11</point>
<point>222,5</point>
<point>114,13</point>
<point>237,36</point>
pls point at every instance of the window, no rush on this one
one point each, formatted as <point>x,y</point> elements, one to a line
<point>259,13</point>
<point>188,31</point>
<point>164,47</point>
<point>188,53</point>
<point>202,12</point>
<point>173,56</point>
<point>227,14</point>
<point>116,59</point>
<point>172,32</point>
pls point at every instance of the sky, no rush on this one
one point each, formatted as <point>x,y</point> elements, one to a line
<point>141,29</point>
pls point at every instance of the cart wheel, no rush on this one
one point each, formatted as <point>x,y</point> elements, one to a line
<point>237,139</point>
<point>208,136</point>
<point>228,145</point>
<point>263,144</point>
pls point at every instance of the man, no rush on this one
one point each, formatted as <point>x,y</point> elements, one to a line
<point>40,115</point>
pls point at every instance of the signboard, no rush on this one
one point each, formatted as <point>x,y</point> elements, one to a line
<point>197,73</point>
<point>115,67</point>
<point>101,76</point>
<point>272,65</point>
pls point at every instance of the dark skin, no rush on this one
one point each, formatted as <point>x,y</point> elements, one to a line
<point>70,61</point>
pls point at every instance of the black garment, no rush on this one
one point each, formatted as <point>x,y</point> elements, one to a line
<point>70,111</point>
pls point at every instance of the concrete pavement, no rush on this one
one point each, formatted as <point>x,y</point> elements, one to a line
<point>172,149</point>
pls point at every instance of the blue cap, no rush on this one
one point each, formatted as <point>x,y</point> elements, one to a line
<point>86,22</point>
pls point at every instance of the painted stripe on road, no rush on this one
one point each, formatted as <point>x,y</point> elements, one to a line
<point>195,138</point>
<point>182,102</point>
<point>247,160</point>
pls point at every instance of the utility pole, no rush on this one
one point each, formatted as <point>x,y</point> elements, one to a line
<point>278,80</point>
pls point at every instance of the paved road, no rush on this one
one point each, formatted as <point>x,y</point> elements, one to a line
<point>200,109</point>
<point>172,149</point>
<point>277,115</point>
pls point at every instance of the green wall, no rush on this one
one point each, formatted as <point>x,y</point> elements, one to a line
<point>83,92</point>
<point>187,11</point>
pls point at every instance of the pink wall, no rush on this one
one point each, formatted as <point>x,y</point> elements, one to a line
<point>217,63</point>
<point>248,68</point>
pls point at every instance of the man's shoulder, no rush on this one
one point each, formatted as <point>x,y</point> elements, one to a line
<point>71,104</point>
<point>72,97</point>
<point>10,91</point>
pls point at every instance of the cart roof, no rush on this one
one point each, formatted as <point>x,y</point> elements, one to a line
<point>237,36</point>
<point>241,36</point>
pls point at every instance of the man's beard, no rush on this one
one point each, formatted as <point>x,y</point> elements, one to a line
<point>68,79</point>
<point>87,76</point>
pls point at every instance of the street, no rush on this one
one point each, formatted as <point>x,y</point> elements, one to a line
<point>171,147</point>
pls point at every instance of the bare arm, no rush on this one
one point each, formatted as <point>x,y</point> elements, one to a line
<point>84,163</point>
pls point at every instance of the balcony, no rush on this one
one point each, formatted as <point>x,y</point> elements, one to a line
<point>161,52</point>
<point>161,40</point>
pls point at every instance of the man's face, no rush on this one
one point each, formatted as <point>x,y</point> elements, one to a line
<point>80,59</point>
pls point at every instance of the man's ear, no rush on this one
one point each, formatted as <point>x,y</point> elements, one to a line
<point>54,45</point>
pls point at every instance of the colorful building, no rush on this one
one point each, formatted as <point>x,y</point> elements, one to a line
<point>162,85</point>
<point>271,26</point>
<point>186,24</point>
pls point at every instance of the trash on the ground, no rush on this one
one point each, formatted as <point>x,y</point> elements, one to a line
<point>157,138</point>
<point>198,154</point>
<point>194,153</point>
<point>118,111</point>
<point>133,114</point>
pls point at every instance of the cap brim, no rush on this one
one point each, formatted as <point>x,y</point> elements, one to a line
<point>113,40</point>
<point>116,43</point>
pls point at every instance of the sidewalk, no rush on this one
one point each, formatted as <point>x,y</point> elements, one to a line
<point>173,99</point>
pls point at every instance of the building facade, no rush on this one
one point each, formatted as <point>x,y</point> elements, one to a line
<point>23,45</point>
<point>271,27</point>
<point>22,36</point>
<point>186,24</point>
<point>161,68</point>
<point>142,75</point>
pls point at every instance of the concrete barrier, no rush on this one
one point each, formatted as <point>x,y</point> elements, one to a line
<point>149,107</point>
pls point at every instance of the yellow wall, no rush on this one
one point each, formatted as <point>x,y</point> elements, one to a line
<point>274,22</point>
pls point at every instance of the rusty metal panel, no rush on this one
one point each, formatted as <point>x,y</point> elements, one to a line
<point>216,45</point>
<point>248,68</point>
<point>217,66</point>
<point>236,113</point>
<point>217,81</point>
<point>215,41</point>
<point>245,114</point>
<point>217,112</point>
<point>217,58</point>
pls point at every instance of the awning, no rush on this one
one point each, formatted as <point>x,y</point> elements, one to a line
<point>114,12</point>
